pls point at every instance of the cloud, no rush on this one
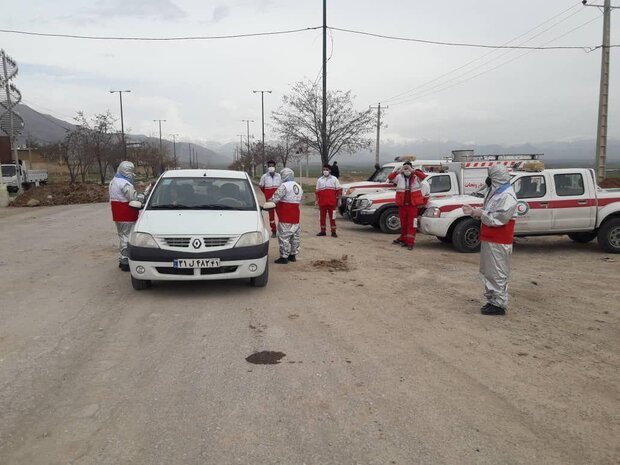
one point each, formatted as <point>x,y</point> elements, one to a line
<point>157,9</point>
<point>219,13</point>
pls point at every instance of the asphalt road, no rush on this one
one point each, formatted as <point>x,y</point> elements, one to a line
<point>386,363</point>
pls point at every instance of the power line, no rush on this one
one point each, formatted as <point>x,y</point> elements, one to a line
<point>471,45</point>
<point>404,94</point>
<point>157,39</point>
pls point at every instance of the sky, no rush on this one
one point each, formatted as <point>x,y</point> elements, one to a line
<point>203,89</point>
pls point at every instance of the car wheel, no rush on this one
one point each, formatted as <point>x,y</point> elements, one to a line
<point>445,240</point>
<point>466,236</point>
<point>582,237</point>
<point>609,236</point>
<point>262,280</point>
<point>389,222</point>
<point>140,284</point>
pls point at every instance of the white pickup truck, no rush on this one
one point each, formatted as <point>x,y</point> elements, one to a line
<point>550,202</point>
<point>28,177</point>
<point>378,209</point>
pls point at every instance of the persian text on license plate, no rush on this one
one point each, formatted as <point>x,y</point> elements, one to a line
<point>196,263</point>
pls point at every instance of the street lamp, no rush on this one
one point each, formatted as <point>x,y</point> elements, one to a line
<point>262,107</point>
<point>248,121</point>
<point>161,152</point>
<point>120,97</point>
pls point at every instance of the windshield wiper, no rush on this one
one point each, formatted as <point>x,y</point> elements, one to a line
<point>213,206</point>
<point>170,206</point>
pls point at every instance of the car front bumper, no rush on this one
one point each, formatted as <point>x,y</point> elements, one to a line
<point>438,227</point>
<point>236,263</point>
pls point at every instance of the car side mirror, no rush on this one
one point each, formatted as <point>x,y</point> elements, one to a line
<point>136,204</point>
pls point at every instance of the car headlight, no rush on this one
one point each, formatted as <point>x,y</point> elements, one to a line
<point>364,203</point>
<point>432,212</point>
<point>250,239</point>
<point>139,239</point>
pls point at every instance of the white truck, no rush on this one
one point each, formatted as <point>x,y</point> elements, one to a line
<point>28,177</point>
<point>448,178</point>
<point>378,182</point>
<point>550,202</point>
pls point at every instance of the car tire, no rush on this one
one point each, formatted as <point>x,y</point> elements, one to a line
<point>445,240</point>
<point>140,284</point>
<point>262,280</point>
<point>583,237</point>
<point>609,235</point>
<point>466,236</point>
<point>389,223</point>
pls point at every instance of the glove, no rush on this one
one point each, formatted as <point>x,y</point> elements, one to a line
<point>269,206</point>
<point>467,209</point>
<point>476,213</point>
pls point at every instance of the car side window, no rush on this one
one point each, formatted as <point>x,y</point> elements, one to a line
<point>440,184</point>
<point>569,184</point>
<point>530,187</point>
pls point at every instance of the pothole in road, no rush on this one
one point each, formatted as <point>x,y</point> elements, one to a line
<point>266,357</point>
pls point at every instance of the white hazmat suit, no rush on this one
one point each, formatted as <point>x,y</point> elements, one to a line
<point>496,236</point>
<point>288,202</point>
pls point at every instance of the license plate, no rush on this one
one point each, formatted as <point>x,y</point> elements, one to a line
<point>196,263</point>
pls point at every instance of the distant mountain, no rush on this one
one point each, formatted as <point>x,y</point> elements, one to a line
<point>46,129</point>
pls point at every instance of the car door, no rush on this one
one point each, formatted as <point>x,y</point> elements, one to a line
<point>573,209</point>
<point>440,184</point>
<point>533,196</point>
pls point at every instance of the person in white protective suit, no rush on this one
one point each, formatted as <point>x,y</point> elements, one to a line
<point>287,200</point>
<point>496,237</point>
<point>122,192</point>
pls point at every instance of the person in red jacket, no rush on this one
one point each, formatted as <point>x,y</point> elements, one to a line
<point>409,196</point>
<point>269,183</point>
<point>327,193</point>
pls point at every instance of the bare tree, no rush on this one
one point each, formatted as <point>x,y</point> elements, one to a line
<point>300,117</point>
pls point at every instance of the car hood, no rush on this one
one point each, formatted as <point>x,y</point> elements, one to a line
<point>361,184</point>
<point>454,200</point>
<point>385,194</point>
<point>190,222</point>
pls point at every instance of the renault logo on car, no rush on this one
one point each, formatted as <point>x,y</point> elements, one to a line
<point>196,243</point>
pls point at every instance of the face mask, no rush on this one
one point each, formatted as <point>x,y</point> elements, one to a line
<point>488,181</point>
<point>272,169</point>
<point>407,173</point>
<point>325,173</point>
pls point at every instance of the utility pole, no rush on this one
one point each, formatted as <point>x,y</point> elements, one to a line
<point>161,151</point>
<point>262,109</point>
<point>240,145</point>
<point>120,97</point>
<point>378,146</point>
<point>189,149</point>
<point>12,135</point>
<point>174,148</point>
<point>603,107</point>
<point>324,151</point>
<point>248,121</point>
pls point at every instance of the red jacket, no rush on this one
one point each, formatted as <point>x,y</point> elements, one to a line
<point>408,190</point>
<point>327,191</point>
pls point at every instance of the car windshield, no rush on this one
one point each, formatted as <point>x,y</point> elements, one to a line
<point>382,174</point>
<point>202,194</point>
<point>8,171</point>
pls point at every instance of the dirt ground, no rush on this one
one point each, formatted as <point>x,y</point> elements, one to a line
<point>375,354</point>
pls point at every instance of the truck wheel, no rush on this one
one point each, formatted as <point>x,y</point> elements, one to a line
<point>609,236</point>
<point>466,236</point>
<point>262,280</point>
<point>389,222</point>
<point>582,237</point>
<point>140,284</point>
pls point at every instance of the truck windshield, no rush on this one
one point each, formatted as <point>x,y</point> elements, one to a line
<point>8,171</point>
<point>382,174</point>
<point>202,194</point>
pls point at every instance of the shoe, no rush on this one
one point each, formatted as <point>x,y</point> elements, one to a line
<point>397,242</point>
<point>493,310</point>
<point>322,233</point>
<point>281,261</point>
<point>334,234</point>
<point>403,244</point>
<point>274,234</point>
<point>292,258</point>
<point>484,308</point>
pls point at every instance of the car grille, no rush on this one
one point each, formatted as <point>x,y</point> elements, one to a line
<point>216,241</point>
<point>177,241</point>
<point>190,271</point>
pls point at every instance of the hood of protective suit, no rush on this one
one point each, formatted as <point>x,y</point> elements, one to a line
<point>125,169</point>
<point>499,175</point>
<point>287,174</point>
